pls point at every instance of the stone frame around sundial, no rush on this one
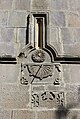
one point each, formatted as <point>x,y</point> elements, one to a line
<point>37,58</point>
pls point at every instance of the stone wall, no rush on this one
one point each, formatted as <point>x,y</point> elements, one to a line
<point>57,96</point>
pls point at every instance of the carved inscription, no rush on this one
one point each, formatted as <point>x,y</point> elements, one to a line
<point>47,96</point>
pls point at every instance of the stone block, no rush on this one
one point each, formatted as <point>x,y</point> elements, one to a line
<point>71,49</point>
<point>74,114</point>
<point>14,96</point>
<point>59,5</point>
<point>6,4</point>
<point>71,73</point>
<point>9,73</point>
<point>74,5</point>
<point>70,35</point>
<point>54,35</point>
<point>3,18</point>
<point>72,96</point>
<point>22,5</point>
<point>47,98</point>
<point>58,19</point>
<point>73,19</point>
<point>21,35</point>
<point>9,49</point>
<point>17,19</point>
<point>26,114</point>
<point>46,74</point>
<point>7,35</point>
<point>40,4</point>
<point>48,114</point>
<point>5,114</point>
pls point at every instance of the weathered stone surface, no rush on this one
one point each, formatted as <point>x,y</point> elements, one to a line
<point>23,114</point>
<point>72,49</point>
<point>7,35</point>
<point>22,4</point>
<point>17,19</point>
<point>72,96</point>
<point>6,4</point>
<point>40,4</point>
<point>73,114</point>
<point>9,73</point>
<point>47,98</point>
<point>14,96</point>
<point>59,4</point>
<point>21,35</point>
<point>50,114</point>
<point>71,73</point>
<point>5,114</point>
<point>3,18</point>
<point>58,19</point>
<point>74,5</point>
<point>70,35</point>
<point>73,19</point>
<point>9,49</point>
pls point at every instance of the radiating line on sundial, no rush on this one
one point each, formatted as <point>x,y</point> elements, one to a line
<point>36,73</point>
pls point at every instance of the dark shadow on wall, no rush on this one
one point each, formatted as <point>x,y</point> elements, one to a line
<point>62,112</point>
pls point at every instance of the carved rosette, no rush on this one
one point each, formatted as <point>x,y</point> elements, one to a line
<point>38,56</point>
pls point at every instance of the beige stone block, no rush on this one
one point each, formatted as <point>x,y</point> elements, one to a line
<point>22,5</point>
<point>9,73</point>
<point>5,114</point>
<point>59,4</point>
<point>3,18</point>
<point>14,96</point>
<point>49,114</point>
<point>40,4</point>
<point>73,19</point>
<point>23,114</point>
<point>58,19</point>
<point>6,4</point>
<point>17,19</point>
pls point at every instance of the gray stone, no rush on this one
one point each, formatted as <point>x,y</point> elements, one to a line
<point>22,5</point>
<point>3,18</point>
<point>26,114</point>
<point>50,114</point>
<point>14,96</point>
<point>5,114</point>
<point>74,114</point>
<point>58,19</point>
<point>71,49</point>
<point>8,49</point>
<point>70,35</point>
<point>21,35</point>
<point>73,19</point>
<point>6,4</point>
<point>9,73</point>
<point>7,35</point>
<point>40,4</point>
<point>74,5</point>
<point>17,19</point>
<point>72,96</point>
<point>59,4</point>
<point>71,73</point>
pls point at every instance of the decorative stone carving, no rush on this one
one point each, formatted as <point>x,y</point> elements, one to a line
<point>38,56</point>
<point>40,71</point>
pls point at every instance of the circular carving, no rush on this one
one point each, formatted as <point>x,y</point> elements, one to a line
<point>38,56</point>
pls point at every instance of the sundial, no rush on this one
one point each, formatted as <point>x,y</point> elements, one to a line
<point>37,56</point>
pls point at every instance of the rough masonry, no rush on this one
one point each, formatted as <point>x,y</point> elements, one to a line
<point>40,80</point>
